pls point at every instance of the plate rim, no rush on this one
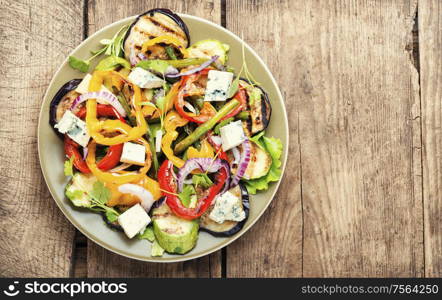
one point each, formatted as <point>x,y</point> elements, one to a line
<point>176,258</point>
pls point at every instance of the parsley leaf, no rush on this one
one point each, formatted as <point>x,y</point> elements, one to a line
<point>100,193</point>
<point>186,194</point>
<point>202,180</point>
<point>79,64</point>
<point>111,215</point>
<point>68,167</point>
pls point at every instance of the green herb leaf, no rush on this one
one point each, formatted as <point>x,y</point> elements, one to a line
<point>78,64</point>
<point>161,101</point>
<point>186,194</point>
<point>74,195</point>
<point>100,193</point>
<point>111,215</point>
<point>202,180</point>
<point>147,234</point>
<point>68,167</point>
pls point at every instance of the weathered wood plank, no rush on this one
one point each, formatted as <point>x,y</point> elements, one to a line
<point>35,238</point>
<point>347,67</point>
<point>273,247</point>
<point>102,263</point>
<point>360,139</point>
<point>430,40</point>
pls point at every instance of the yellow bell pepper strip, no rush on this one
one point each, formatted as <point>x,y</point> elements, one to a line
<point>206,151</point>
<point>116,178</point>
<point>166,143</point>
<point>174,120</point>
<point>152,186</point>
<point>165,39</point>
<point>117,198</point>
<point>171,122</point>
<point>94,125</point>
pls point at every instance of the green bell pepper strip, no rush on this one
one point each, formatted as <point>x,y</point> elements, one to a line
<point>111,62</point>
<point>205,127</point>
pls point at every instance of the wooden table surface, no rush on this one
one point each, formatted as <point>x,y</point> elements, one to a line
<point>362,192</point>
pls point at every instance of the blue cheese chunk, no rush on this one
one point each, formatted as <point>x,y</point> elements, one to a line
<point>232,135</point>
<point>134,220</point>
<point>227,208</point>
<point>74,127</point>
<point>144,79</point>
<point>218,84</point>
<point>83,88</point>
<point>133,154</point>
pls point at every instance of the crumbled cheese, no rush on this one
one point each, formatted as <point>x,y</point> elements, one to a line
<point>227,208</point>
<point>134,220</point>
<point>83,87</point>
<point>232,135</point>
<point>74,127</point>
<point>218,84</point>
<point>133,154</point>
<point>144,79</point>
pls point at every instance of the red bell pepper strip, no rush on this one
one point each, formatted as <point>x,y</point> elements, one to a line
<point>241,97</point>
<point>113,154</point>
<point>103,110</point>
<point>186,90</point>
<point>71,149</point>
<point>169,189</point>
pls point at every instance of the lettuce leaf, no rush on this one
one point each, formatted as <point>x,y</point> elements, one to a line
<point>274,147</point>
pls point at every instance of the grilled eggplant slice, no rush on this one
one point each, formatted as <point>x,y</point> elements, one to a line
<point>260,111</point>
<point>151,24</point>
<point>227,228</point>
<point>61,102</point>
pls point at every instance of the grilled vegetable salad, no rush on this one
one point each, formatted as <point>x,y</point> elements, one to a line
<point>163,138</point>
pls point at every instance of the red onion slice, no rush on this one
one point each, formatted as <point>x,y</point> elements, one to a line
<point>85,152</point>
<point>215,140</point>
<point>243,162</point>
<point>197,69</point>
<point>108,97</point>
<point>144,195</point>
<point>205,165</point>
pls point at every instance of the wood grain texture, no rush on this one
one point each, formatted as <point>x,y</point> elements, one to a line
<point>273,246</point>
<point>430,40</point>
<point>36,36</point>
<point>102,263</point>
<point>358,98</point>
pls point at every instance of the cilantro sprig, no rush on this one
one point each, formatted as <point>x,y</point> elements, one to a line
<point>100,196</point>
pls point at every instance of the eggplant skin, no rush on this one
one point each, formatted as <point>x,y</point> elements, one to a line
<point>112,225</point>
<point>227,228</point>
<point>63,94</point>
<point>260,113</point>
<point>154,20</point>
